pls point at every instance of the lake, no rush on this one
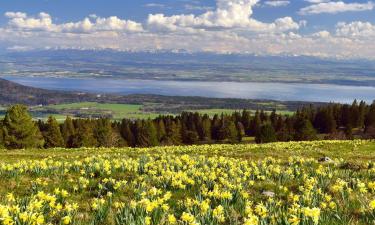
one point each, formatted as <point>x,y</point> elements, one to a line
<point>274,91</point>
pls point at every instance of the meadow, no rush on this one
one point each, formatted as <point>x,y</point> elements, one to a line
<point>319,182</point>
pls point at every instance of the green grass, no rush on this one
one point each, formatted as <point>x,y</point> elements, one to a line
<point>118,111</point>
<point>115,111</point>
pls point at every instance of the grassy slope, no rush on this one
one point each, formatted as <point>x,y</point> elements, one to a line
<point>346,150</point>
<point>119,111</point>
<point>355,153</point>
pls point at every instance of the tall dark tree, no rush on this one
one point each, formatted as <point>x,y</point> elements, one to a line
<point>256,122</point>
<point>246,121</point>
<point>84,136</point>
<point>370,119</point>
<point>127,133</point>
<point>146,135</point>
<point>1,135</point>
<point>304,130</point>
<point>68,132</point>
<point>19,130</point>
<point>104,134</point>
<point>52,134</point>
<point>265,134</point>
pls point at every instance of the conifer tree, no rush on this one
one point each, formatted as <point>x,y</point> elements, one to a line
<point>52,134</point>
<point>84,136</point>
<point>68,131</point>
<point>304,130</point>
<point>104,133</point>
<point>19,130</point>
<point>127,133</point>
<point>265,134</point>
<point>1,135</point>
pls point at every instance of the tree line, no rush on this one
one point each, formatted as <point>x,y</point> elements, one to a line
<point>334,121</point>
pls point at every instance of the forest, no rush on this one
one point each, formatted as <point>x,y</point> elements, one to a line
<point>334,121</point>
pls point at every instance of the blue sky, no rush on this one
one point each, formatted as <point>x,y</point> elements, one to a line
<point>244,26</point>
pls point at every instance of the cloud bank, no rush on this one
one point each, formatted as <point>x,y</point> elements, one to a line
<point>228,28</point>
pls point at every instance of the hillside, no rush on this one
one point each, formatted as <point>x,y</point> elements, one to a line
<point>277,183</point>
<point>13,93</point>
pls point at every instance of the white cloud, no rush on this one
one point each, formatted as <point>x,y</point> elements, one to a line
<point>154,5</point>
<point>316,1</point>
<point>229,14</point>
<point>43,22</point>
<point>356,29</point>
<point>277,3</point>
<point>230,27</point>
<point>335,7</point>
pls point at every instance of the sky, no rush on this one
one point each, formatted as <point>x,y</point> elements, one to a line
<point>322,28</point>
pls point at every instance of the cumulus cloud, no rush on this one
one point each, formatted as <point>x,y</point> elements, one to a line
<point>277,3</point>
<point>356,29</point>
<point>229,28</point>
<point>229,14</point>
<point>335,7</point>
<point>44,22</point>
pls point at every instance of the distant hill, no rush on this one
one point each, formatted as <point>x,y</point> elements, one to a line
<point>13,93</point>
<point>185,66</point>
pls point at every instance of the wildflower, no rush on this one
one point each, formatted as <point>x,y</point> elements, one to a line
<point>187,217</point>
<point>172,219</point>
<point>261,210</point>
<point>313,213</point>
<point>294,220</point>
<point>10,197</point>
<point>148,220</point>
<point>372,205</point>
<point>66,220</point>
<point>251,220</point>
<point>218,213</point>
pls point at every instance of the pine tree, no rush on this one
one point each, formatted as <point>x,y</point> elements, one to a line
<point>232,132</point>
<point>246,121</point>
<point>255,124</point>
<point>68,132</point>
<point>265,134</point>
<point>104,133</point>
<point>84,136</point>
<point>19,129</point>
<point>370,119</point>
<point>52,134</point>
<point>304,130</point>
<point>127,133</point>
<point>1,135</point>
<point>146,135</point>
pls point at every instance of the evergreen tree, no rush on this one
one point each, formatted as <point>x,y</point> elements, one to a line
<point>255,124</point>
<point>370,119</point>
<point>19,129</point>
<point>52,134</point>
<point>68,132</point>
<point>205,130</point>
<point>246,121</point>
<point>265,134</point>
<point>232,133</point>
<point>104,134</point>
<point>160,128</point>
<point>304,130</point>
<point>146,135</point>
<point>1,135</point>
<point>127,133</point>
<point>84,136</point>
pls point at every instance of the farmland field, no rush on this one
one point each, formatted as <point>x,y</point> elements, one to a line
<point>278,183</point>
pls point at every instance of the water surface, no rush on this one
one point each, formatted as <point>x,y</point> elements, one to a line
<point>253,90</point>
